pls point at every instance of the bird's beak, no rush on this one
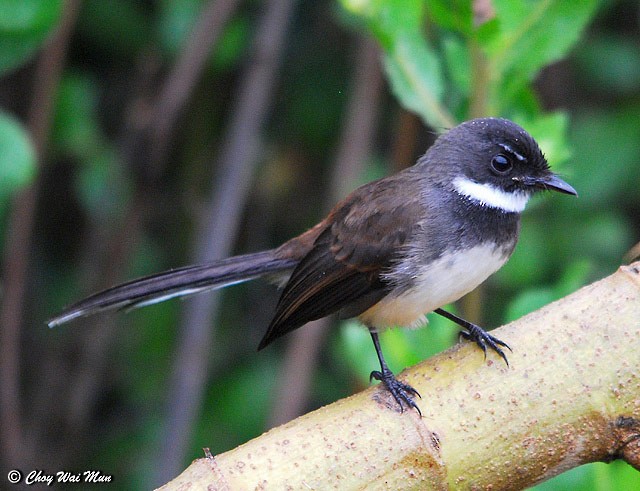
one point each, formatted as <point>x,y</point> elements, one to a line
<point>551,182</point>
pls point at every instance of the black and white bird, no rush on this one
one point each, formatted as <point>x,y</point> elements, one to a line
<point>392,251</point>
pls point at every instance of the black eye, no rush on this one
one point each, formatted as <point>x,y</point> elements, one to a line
<point>501,164</point>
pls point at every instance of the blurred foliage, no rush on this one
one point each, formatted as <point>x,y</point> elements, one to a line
<point>413,67</point>
<point>24,25</point>
<point>17,157</point>
<point>441,61</point>
<point>491,61</point>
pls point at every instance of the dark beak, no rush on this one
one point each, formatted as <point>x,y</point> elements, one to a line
<point>550,182</point>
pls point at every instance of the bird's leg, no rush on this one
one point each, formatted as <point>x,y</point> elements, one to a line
<point>401,392</point>
<point>476,334</point>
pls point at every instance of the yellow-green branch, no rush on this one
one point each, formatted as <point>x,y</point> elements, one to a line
<point>571,395</point>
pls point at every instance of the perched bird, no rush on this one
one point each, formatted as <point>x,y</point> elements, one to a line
<point>390,252</point>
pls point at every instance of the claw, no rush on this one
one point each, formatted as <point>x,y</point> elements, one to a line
<point>483,339</point>
<point>401,392</point>
<point>478,335</point>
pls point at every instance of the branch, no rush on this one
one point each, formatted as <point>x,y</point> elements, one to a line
<point>570,396</point>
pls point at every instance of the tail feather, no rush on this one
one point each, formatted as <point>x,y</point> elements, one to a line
<point>176,283</point>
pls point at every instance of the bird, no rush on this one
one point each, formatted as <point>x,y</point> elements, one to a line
<point>392,251</point>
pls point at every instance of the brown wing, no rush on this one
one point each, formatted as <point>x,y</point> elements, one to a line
<point>362,237</point>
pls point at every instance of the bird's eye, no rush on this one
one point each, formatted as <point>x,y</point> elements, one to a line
<point>501,164</point>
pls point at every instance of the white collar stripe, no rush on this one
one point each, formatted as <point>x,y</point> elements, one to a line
<point>491,196</point>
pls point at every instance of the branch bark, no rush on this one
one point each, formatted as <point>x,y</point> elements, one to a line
<point>570,396</point>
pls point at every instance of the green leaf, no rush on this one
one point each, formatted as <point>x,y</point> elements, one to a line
<point>453,15</point>
<point>416,79</point>
<point>24,25</point>
<point>412,65</point>
<point>17,156</point>
<point>526,36</point>
<point>457,63</point>
<point>76,129</point>
<point>388,18</point>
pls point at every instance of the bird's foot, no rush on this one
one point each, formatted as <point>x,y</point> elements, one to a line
<point>483,339</point>
<point>401,392</point>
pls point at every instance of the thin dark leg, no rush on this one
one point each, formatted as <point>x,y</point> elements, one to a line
<point>475,333</point>
<point>401,392</point>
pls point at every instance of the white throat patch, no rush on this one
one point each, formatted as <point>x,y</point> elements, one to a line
<point>491,196</point>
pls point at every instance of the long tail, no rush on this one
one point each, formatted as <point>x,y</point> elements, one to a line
<point>176,283</point>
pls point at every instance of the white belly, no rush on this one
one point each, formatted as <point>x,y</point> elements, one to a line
<point>443,281</point>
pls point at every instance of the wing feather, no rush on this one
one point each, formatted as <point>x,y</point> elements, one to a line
<point>344,270</point>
